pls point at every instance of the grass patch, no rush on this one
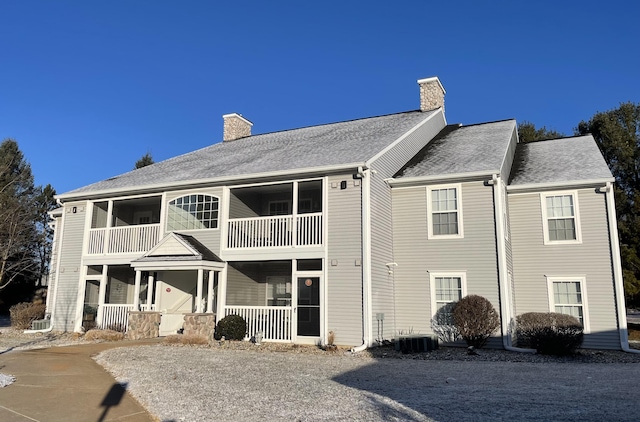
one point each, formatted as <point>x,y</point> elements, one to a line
<point>105,335</point>
<point>186,339</point>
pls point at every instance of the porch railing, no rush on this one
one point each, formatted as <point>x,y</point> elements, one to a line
<point>274,322</point>
<point>275,231</point>
<point>115,316</point>
<point>126,239</point>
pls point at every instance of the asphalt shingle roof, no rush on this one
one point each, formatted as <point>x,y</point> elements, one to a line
<point>462,149</point>
<point>559,160</point>
<point>342,143</point>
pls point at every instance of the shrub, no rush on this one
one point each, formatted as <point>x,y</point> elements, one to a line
<point>106,335</point>
<point>476,319</point>
<point>231,327</point>
<point>549,333</point>
<point>442,324</point>
<point>23,314</point>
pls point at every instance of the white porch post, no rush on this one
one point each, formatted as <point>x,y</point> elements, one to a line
<point>136,291</point>
<point>102,292</point>
<point>107,233</point>
<point>150,287</point>
<point>210,293</point>
<point>294,217</point>
<point>199,291</point>
<point>222,292</point>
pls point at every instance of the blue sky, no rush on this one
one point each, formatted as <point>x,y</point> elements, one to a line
<point>88,87</point>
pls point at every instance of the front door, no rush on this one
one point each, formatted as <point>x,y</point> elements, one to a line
<point>308,306</point>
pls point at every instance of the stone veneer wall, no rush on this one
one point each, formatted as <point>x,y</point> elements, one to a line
<point>199,325</point>
<point>235,127</point>
<point>143,325</point>
<point>431,94</point>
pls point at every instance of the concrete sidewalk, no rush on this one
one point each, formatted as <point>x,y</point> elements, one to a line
<point>66,384</point>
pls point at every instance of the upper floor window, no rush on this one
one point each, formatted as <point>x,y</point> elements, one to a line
<point>193,212</point>
<point>444,212</point>
<point>567,296</point>
<point>560,217</point>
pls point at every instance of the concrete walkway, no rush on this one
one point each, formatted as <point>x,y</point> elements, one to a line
<point>66,384</point>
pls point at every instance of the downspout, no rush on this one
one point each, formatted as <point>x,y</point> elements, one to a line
<point>618,282</point>
<point>505,297</point>
<point>365,174</point>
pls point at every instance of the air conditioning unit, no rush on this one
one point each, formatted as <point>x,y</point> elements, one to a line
<point>40,324</point>
<point>416,344</point>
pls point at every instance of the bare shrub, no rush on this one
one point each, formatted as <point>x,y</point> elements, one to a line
<point>104,335</point>
<point>119,327</point>
<point>550,333</point>
<point>476,319</point>
<point>23,314</point>
<point>186,339</point>
<point>442,324</point>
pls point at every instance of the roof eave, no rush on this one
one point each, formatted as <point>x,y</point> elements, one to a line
<point>439,178</point>
<point>536,187</point>
<point>188,184</point>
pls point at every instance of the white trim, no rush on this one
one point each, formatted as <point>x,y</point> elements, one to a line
<point>460,234</point>
<point>325,260</point>
<point>583,292</point>
<point>440,178</point>
<point>545,218</point>
<point>504,285</point>
<point>226,116</point>
<point>558,185</point>
<point>431,79</point>
<point>366,256</point>
<point>435,112</point>
<point>462,275</point>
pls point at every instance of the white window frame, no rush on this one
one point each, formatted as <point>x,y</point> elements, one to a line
<point>271,280</point>
<point>430,234</point>
<point>276,202</point>
<point>432,284</point>
<point>583,292</point>
<point>545,217</point>
<point>169,200</point>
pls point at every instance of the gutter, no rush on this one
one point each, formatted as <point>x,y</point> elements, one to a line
<point>505,297</point>
<point>618,282</point>
<point>558,185</point>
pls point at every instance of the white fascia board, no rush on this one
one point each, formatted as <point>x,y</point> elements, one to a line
<point>402,138</point>
<point>197,183</point>
<point>239,116</point>
<point>176,265</point>
<point>441,178</point>
<point>506,153</point>
<point>534,187</point>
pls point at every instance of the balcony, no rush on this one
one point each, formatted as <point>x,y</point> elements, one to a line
<point>276,231</point>
<point>127,239</point>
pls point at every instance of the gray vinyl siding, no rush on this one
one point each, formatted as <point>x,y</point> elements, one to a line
<point>417,256</point>
<point>591,259</point>
<point>381,222</point>
<point>70,254</point>
<point>344,265</point>
<point>243,290</point>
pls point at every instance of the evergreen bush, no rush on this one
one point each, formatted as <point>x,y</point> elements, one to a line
<point>231,327</point>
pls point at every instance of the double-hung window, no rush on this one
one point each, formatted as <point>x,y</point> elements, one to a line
<point>444,215</point>
<point>446,288</point>
<point>560,217</point>
<point>567,295</point>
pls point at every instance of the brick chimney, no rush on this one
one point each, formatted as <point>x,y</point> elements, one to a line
<point>235,127</point>
<point>431,94</point>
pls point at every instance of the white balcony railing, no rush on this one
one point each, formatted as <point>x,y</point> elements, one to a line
<point>114,316</point>
<point>275,231</point>
<point>126,239</point>
<point>274,322</point>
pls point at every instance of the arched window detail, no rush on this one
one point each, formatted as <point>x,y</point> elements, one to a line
<point>193,212</point>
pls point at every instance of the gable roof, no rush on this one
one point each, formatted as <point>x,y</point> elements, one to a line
<point>562,160</point>
<point>461,149</point>
<point>337,144</point>
<point>182,247</point>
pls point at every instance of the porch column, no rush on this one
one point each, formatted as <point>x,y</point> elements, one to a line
<point>107,233</point>
<point>210,293</point>
<point>136,291</point>
<point>150,287</point>
<point>294,217</point>
<point>102,292</point>
<point>222,292</point>
<point>199,291</point>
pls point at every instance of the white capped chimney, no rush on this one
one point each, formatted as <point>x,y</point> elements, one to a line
<point>431,94</point>
<point>235,127</point>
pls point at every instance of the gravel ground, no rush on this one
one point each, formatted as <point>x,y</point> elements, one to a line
<point>240,381</point>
